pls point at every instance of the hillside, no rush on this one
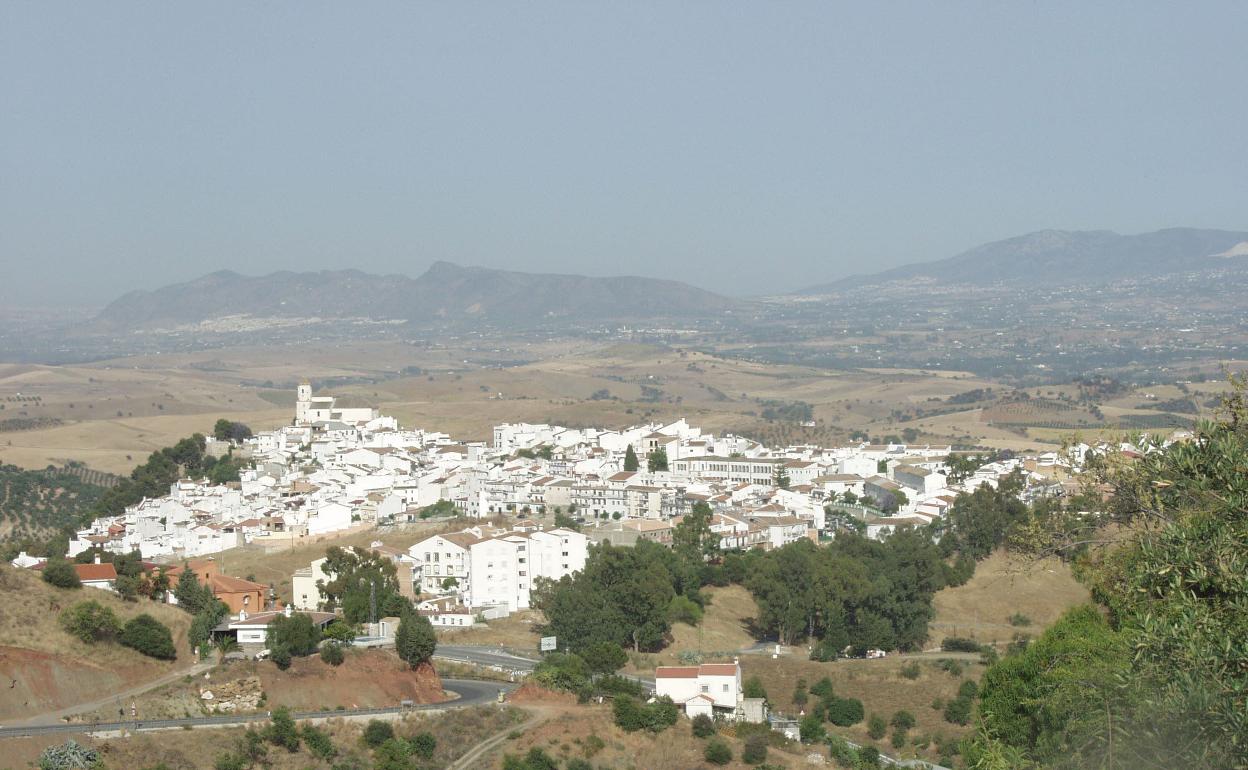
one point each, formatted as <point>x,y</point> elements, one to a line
<point>38,503</point>
<point>50,669</point>
<point>444,294</point>
<point>1060,257</point>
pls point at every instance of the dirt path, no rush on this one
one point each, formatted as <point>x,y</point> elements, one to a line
<point>80,708</point>
<point>483,749</point>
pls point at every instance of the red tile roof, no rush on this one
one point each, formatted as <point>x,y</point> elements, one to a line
<point>95,572</point>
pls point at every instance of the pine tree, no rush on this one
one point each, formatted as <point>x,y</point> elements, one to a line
<point>630,460</point>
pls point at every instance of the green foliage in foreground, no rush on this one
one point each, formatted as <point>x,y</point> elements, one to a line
<point>1155,675</point>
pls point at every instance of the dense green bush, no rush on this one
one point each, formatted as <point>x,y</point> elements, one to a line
<point>377,732</point>
<point>844,712</point>
<point>703,726</point>
<point>149,636</point>
<point>318,742</point>
<point>332,654</point>
<point>297,633</point>
<point>90,621</point>
<point>958,710</point>
<point>717,752</point>
<point>61,574</point>
<point>876,727</point>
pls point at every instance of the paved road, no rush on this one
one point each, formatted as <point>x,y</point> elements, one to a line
<point>472,692</point>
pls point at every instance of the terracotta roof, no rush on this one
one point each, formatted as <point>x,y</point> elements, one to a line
<point>719,669</point>
<point>676,672</point>
<point>95,572</point>
<point>229,584</point>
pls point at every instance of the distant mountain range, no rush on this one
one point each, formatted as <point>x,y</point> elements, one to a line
<point>1058,257</point>
<point>446,293</point>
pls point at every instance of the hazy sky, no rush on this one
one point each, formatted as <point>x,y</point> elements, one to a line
<point>743,147</point>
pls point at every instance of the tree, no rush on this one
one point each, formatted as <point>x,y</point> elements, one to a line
<point>61,574</point>
<point>394,754</point>
<point>753,688</point>
<point>717,752</point>
<point>799,693</point>
<point>280,655</point>
<point>811,729</point>
<point>692,539</point>
<point>604,657</point>
<point>358,573</point>
<point>339,630</point>
<point>295,633</point>
<point>630,460</point>
<point>780,478</point>
<point>415,640</point>
<point>958,710</point>
<point>657,460</point>
<point>127,587</point>
<point>225,645</point>
<point>844,712</point>
<point>190,595</point>
<point>225,430</point>
<point>628,714</point>
<point>149,636</point>
<point>90,621</point>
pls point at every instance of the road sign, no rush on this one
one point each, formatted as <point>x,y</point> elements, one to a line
<point>548,644</point>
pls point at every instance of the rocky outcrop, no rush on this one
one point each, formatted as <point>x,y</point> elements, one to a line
<point>238,696</point>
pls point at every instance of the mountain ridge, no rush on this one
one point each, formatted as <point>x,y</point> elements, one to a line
<point>1061,257</point>
<point>444,293</point>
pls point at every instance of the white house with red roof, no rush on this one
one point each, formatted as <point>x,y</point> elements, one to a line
<point>711,688</point>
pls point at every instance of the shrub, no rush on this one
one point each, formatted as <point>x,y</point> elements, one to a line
<point>61,574</point>
<point>844,712</point>
<point>717,752</point>
<point>332,654</point>
<point>682,609</point>
<point>70,755</point>
<point>90,621</point>
<point>753,688</point>
<point>377,732</point>
<point>950,666</point>
<point>1019,619</point>
<point>423,745</point>
<point>876,727</point>
<point>577,763</point>
<point>799,693</point>
<point>968,689</point>
<point>811,728</point>
<point>280,656</point>
<point>938,704</point>
<point>899,738</point>
<point>822,688</point>
<point>910,670</point>
<point>902,719</point>
<point>755,751</point>
<point>629,715</point>
<point>959,644</point>
<point>150,637</point>
<point>663,714</point>
<point>230,761</point>
<point>318,742</point>
<point>839,749</point>
<point>958,710</point>
<point>869,756</point>
<point>282,731</point>
<point>339,630</point>
<point>703,726</point>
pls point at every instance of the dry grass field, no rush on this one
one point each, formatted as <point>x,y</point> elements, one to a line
<point>51,669</point>
<point>878,684</point>
<point>568,734</point>
<point>1005,585</point>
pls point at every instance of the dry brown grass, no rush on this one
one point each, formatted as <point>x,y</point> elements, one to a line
<point>54,670</point>
<point>723,632</point>
<point>566,735</point>
<point>516,631</point>
<point>1005,584</point>
<point>877,683</point>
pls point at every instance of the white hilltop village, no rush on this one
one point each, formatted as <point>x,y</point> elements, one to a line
<point>336,469</point>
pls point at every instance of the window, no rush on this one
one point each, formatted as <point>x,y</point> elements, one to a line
<point>725,688</point>
<point>706,688</point>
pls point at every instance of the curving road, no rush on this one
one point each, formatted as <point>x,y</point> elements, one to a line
<point>471,692</point>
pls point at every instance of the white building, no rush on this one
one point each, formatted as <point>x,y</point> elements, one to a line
<point>711,688</point>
